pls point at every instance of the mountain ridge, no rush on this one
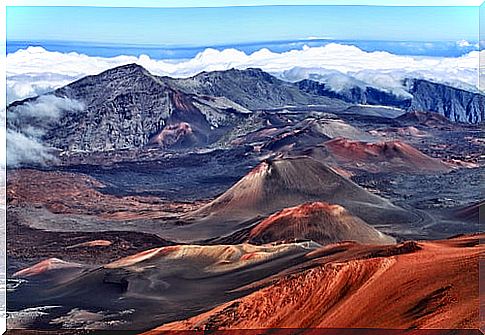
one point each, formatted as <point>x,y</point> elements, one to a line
<point>128,107</point>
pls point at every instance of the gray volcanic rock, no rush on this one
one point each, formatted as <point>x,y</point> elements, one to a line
<point>251,88</point>
<point>127,107</point>
<point>356,95</point>
<point>311,132</point>
<point>455,104</point>
<point>286,182</point>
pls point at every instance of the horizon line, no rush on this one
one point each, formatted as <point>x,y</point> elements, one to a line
<point>248,43</point>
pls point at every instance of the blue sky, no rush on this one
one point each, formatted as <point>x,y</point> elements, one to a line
<point>228,25</point>
<point>482,25</point>
<point>221,3</point>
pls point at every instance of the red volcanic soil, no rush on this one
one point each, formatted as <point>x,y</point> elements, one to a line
<point>45,266</point>
<point>95,243</point>
<point>388,156</point>
<point>74,193</point>
<point>411,285</point>
<point>429,119</point>
<point>281,183</point>
<point>192,259</point>
<point>172,134</point>
<point>318,221</point>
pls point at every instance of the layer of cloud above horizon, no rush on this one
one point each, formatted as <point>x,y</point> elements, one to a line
<point>35,71</point>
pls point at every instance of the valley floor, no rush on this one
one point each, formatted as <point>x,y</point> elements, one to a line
<point>284,227</point>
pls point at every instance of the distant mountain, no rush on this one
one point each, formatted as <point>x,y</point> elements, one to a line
<point>425,118</point>
<point>251,88</point>
<point>311,132</point>
<point>455,104</point>
<point>127,107</point>
<point>356,95</point>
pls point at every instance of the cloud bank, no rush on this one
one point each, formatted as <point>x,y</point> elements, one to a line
<point>34,70</point>
<point>28,123</point>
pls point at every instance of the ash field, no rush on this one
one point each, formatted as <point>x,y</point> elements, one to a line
<point>235,200</point>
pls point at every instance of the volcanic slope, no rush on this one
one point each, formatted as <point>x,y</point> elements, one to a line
<point>318,221</point>
<point>433,284</point>
<point>280,183</point>
<point>311,132</point>
<point>161,284</point>
<point>389,156</point>
<point>428,119</point>
<point>471,213</point>
<point>252,88</point>
<point>48,266</point>
<point>127,107</point>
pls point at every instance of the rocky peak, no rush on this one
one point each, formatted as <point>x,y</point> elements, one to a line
<point>130,79</point>
<point>455,104</point>
<point>357,95</point>
<point>128,69</point>
<point>252,88</point>
<point>128,107</point>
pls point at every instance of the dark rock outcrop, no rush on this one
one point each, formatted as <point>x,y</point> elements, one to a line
<point>455,104</point>
<point>356,95</point>
<point>127,107</point>
<point>251,88</point>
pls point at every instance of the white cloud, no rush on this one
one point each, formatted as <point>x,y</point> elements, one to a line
<point>22,149</point>
<point>27,124</point>
<point>43,110</point>
<point>27,85</point>
<point>338,81</point>
<point>463,44</point>
<point>34,70</point>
